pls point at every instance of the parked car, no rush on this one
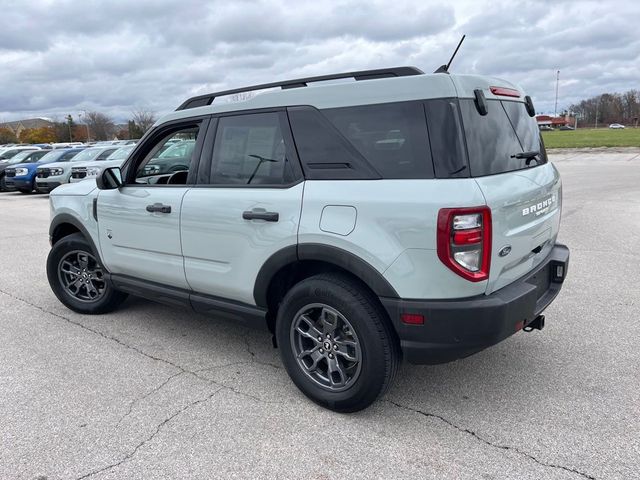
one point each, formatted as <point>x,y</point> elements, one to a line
<point>546,128</point>
<point>616,126</point>
<point>22,177</point>
<point>90,170</point>
<point>25,156</point>
<point>342,218</point>
<point>53,175</point>
<point>566,127</point>
<point>7,153</point>
<point>174,158</point>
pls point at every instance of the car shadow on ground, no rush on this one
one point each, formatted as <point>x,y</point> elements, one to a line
<point>487,376</point>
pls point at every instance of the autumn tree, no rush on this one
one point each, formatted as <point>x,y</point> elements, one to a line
<point>38,135</point>
<point>7,136</point>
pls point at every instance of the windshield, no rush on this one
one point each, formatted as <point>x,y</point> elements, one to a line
<point>87,155</point>
<point>52,156</point>
<point>179,150</point>
<point>13,152</point>
<point>20,156</point>
<point>121,153</point>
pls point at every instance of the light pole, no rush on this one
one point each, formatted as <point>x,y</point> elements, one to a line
<point>597,108</point>
<point>69,120</point>
<point>555,110</point>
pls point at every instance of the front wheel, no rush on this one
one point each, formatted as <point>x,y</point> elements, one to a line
<point>336,342</point>
<point>78,279</point>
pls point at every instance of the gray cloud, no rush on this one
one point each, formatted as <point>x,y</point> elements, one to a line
<point>62,57</point>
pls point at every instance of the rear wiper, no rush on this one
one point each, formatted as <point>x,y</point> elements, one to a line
<point>528,155</point>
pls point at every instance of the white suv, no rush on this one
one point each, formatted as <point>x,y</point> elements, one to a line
<point>401,214</point>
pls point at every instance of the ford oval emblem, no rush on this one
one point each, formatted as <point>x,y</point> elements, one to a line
<point>504,251</point>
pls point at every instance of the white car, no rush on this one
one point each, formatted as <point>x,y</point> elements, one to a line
<point>53,175</point>
<point>90,170</point>
<point>616,126</point>
<point>399,215</point>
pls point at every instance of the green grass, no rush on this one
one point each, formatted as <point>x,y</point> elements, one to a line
<point>589,137</point>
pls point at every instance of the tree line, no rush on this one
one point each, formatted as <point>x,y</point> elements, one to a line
<point>609,108</point>
<point>95,126</point>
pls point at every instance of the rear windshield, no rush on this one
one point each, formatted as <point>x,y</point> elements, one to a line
<point>494,139</point>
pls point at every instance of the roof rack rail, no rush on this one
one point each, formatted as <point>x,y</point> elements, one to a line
<point>207,99</point>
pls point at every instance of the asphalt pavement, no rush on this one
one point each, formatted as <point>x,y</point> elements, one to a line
<point>154,392</point>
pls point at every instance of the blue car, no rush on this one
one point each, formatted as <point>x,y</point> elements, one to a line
<point>22,177</point>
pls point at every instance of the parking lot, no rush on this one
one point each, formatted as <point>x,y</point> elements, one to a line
<point>154,392</point>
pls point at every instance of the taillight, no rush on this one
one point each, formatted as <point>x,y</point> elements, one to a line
<point>464,241</point>
<point>505,92</point>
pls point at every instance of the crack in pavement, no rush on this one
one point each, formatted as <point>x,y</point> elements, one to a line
<point>180,369</point>
<point>489,443</point>
<point>159,427</point>
<point>148,394</point>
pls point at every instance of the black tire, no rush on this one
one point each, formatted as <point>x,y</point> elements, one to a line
<point>24,190</point>
<point>367,325</point>
<point>73,246</point>
<point>3,187</point>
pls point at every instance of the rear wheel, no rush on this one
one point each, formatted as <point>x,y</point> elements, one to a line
<point>336,343</point>
<point>78,279</point>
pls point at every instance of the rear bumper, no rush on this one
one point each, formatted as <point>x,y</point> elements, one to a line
<point>458,328</point>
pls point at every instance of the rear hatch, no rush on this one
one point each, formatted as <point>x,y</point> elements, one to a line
<point>523,191</point>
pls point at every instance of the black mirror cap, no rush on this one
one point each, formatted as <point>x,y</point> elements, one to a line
<point>481,102</point>
<point>109,179</point>
<point>529,104</point>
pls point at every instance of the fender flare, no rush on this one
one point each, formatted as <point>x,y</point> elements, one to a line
<point>65,218</point>
<point>323,253</point>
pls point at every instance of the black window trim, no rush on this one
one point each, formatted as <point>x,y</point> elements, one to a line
<point>151,138</point>
<point>206,158</point>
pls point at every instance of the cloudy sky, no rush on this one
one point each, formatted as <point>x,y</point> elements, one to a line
<point>61,57</point>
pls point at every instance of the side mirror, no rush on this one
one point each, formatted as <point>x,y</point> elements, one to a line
<point>109,179</point>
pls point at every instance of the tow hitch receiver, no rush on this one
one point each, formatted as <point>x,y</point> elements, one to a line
<point>537,324</point>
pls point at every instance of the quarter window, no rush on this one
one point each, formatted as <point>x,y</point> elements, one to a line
<point>392,137</point>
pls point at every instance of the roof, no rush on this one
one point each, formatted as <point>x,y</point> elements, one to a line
<point>365,92</point>
<point>27,123</point>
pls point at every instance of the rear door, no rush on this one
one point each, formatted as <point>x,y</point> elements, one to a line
<point>524,194</point>
<point>245,207</point>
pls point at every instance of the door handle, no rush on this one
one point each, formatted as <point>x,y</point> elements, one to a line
<point>261,215</point>
<point>158,207</point>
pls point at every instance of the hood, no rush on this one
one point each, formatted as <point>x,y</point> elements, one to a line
<point>74,189</point>
<point>101,164</point>
<point>28,166</point>
<point>55,165</point>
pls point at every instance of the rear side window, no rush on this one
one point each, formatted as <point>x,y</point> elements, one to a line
<point>250,150</point>
<point>391,137</point>
<point>492,140</point>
